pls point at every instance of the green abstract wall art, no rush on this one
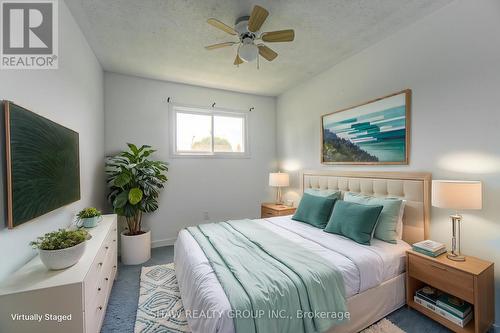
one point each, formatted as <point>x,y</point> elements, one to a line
<point>42,165</point>
<point>376,132</point>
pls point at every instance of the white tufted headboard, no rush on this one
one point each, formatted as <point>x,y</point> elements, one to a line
<point>414,187</point>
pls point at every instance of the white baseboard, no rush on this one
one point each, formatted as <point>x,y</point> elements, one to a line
<point>163,242</point>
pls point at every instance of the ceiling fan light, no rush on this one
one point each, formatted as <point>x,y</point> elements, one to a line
<point>248,52</point>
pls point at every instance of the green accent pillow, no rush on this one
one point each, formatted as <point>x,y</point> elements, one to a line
<point>314,210</point>
<point>386,228</point>
<point>335,194</point>
<point>354,221</point>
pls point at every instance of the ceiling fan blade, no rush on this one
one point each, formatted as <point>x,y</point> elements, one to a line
<point>278,36</point>
<point>267,53</point>
<point>257,18</point>
<point>218,46</point>
<point>237,60</point>
<point>222,26</point>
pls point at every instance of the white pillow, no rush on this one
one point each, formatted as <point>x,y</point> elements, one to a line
<point>399,225</point>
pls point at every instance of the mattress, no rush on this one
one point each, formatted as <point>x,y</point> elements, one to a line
<point>362,267</point>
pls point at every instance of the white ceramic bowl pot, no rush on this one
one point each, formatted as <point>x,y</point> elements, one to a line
<point>135,249</point>
<point>64,258</point>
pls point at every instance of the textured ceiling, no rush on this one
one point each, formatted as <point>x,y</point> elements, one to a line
<point>164,39</point>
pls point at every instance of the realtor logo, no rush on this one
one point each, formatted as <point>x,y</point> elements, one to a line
<point>29,38</point>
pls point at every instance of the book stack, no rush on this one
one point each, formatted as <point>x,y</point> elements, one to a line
<point>445,305</point>
<point>429,248</point>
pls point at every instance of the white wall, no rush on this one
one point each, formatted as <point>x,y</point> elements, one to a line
<point>136,111</point>
<point>71,96</point>
<point>451,61</point>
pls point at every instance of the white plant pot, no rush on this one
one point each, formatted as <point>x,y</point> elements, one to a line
<point>64,258</point>
<point>136,249</point>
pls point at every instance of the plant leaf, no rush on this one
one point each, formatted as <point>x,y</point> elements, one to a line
<point>133,148</point>
<point>134,195</point>
<point>121,200</point>
<point>122,179</point>
<point>129,210</point>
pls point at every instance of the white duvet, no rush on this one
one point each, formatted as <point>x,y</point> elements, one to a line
<point>362,267</point>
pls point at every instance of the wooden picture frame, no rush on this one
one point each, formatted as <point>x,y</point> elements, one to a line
<point>378,140</point>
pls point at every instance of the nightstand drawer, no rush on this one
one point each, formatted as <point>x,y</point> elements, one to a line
<point>267,212</point>
<point>271,210</point>
<point>450,280</point>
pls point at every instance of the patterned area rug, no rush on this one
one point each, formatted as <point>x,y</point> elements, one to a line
<point>160,307</point>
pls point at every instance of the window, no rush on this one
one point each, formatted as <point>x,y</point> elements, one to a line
<point>209,132</point>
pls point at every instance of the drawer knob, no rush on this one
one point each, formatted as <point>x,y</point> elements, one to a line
<point>114,240</point>
<point>99,307</point>
<point>99,264</point>
<point>114,266</point>
<point>107,279</point>
<point>99,289</point>
<point>107,247</point>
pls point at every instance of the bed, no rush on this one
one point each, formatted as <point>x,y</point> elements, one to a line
<point>373,275</point>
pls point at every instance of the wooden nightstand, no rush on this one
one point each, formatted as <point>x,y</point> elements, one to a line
<point>270,210</point>
<point>471,280</point>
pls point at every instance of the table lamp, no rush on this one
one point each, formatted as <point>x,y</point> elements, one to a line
<point>456,195</point>
<point>279,180</point>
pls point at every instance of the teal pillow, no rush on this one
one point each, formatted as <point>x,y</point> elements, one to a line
<point>314,210</point>
<point>335,194</point>
<point>386,228</point>
<point>354,221</point>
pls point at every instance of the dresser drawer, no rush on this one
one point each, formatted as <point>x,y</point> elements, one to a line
<point>91,280</point>
<point>104,280</point>
<point>94,314</point>
<point>96,299</point>
<point>448,279</point>
<point>103,303</point>
<point>101,268</point>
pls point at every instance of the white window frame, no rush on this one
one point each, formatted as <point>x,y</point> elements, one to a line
<point>201,110</point>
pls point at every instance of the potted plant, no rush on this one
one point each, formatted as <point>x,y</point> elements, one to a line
<point>135,183</point>
<point>61,249</point>
<point>88,217</point>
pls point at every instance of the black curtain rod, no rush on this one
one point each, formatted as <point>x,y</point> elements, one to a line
<point>169,100</point>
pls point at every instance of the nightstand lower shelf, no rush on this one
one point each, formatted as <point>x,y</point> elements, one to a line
<point>469,328</point>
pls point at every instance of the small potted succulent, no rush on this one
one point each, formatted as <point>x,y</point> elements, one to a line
<point>88,217</point>
<point>61,249</point>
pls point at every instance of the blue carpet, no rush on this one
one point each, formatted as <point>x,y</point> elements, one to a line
<point>122,307</point>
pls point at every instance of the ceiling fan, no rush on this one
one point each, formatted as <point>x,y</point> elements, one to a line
<point>249,44</point>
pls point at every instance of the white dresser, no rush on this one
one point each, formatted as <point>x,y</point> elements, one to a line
<point>35,299</point>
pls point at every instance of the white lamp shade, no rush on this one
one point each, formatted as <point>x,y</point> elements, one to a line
<point>248,52</point>
<point>279,179</point>
<point>457,194</point>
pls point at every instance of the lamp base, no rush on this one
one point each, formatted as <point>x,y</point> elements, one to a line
<point>279,197</point>
<point>455,240</point>
<point>455,257</point>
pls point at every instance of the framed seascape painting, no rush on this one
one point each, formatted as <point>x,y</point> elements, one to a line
<point>375,132</point>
